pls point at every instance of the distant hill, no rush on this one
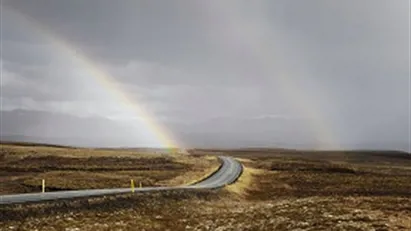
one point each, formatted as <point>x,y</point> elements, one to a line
<point>31,144</point>
<point>62,129</point>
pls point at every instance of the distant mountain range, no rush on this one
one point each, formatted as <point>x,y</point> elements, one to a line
<point>57,128</point>
<point>39,126</point>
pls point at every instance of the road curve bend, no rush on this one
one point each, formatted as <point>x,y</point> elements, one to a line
<point>228,172</point>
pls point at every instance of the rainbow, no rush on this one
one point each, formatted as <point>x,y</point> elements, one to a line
<point>107,81</point>
<point>241,36</point>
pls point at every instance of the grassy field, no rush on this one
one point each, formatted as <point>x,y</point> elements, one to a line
<point>22,168</point>
<point>278,190</point>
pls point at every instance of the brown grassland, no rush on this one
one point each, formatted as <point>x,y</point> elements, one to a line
<point>278,190</point>
<point>22,168</point>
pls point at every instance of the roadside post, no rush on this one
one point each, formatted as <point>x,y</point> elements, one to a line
<point>132,185</point>
<point>43,185</point>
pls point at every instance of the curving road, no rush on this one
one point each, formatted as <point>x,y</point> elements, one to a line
<point>229,171</point>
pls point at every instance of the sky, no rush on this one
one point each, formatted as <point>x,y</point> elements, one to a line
<point>315,74</point>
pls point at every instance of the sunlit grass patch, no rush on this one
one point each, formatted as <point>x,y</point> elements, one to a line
<point>245,182</point>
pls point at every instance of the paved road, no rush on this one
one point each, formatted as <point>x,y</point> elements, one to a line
<point>229,171</point>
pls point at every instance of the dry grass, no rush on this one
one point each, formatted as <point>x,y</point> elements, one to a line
<point>12,151</point>
<point>206,210</point>
<point>23,167</point>
<point>246,181</point>
<point>282,190</point>
<point>202,168</point>
<point>67,180</point>
<point>303,178</point>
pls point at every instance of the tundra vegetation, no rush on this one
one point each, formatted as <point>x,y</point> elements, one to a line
<point>278,190</point>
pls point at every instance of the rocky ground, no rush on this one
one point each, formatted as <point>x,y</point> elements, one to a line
<point>213,211</point>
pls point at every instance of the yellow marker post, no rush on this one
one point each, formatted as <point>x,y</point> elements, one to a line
<point>141,185</point>
<point>132,185</point>
<point>43,186</point>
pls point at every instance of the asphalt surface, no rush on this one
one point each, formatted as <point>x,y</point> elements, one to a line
<point>228,172</point>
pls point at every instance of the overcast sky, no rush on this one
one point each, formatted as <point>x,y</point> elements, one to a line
<point>333,73</point>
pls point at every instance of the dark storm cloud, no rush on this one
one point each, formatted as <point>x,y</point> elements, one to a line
<point>170,34</point>
<point>195,61</point>
<point>129,30</point>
